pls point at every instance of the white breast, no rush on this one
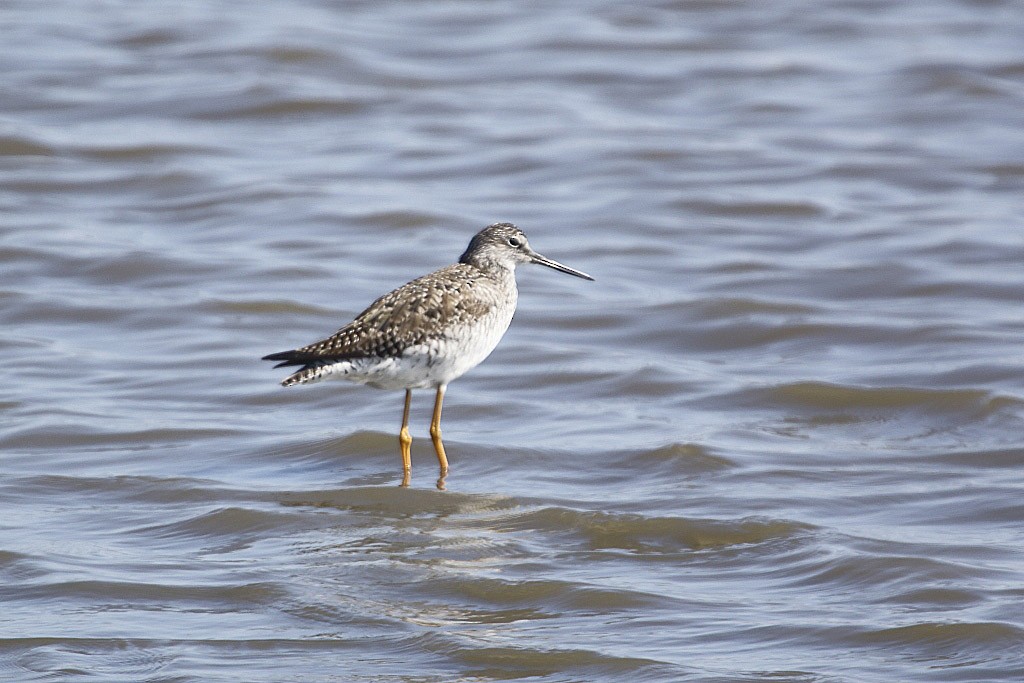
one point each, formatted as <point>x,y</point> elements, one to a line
<point>435,362</point>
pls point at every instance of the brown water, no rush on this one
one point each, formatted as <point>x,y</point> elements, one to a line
<point>780,438</point>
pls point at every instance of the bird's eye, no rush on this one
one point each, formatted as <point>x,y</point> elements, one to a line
<point>514,242</point>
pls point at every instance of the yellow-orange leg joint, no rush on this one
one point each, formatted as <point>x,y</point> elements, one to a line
<point>405,441</point>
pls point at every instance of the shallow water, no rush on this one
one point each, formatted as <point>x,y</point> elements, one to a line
<point>778,439</point>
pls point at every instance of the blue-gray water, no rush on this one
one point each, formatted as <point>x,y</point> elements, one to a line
<point>780,438</point>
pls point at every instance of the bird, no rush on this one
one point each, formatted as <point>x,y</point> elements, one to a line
<point>428,332</point>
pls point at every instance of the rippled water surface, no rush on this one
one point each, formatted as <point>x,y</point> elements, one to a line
<point>780,438</point>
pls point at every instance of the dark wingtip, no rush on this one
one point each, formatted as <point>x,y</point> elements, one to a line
<point>306,358</point>
<point>286,357</point>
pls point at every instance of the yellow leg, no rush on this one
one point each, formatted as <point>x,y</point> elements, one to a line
<point>435,436</point>
<point>406,441</point>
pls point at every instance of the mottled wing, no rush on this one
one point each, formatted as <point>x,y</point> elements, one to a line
<point>407,316</point>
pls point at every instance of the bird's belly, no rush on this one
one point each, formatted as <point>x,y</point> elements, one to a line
<point>462,350</point>
<point>430,364</point>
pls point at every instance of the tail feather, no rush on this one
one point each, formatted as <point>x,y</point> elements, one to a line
<point>309,373</point>
<point>314,367</point>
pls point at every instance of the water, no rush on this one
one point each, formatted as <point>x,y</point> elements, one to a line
<point>778,439</point>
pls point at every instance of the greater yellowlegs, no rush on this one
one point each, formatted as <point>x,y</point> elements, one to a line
<point>427,332</point>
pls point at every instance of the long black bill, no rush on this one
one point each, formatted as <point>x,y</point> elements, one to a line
<point>545,261</point>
